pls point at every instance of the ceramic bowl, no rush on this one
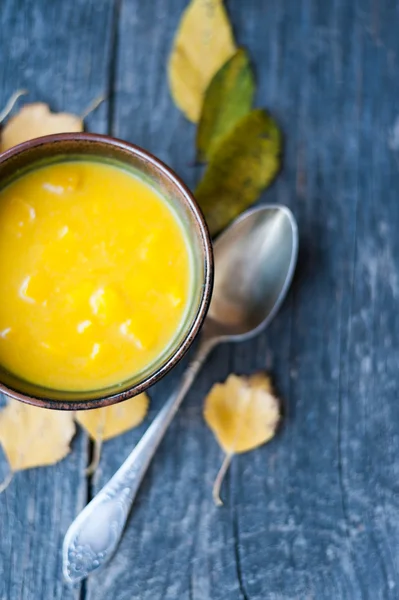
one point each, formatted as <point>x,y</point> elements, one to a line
<point>85,146</point>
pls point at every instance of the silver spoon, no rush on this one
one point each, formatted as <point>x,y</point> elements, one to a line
<point>254,263</point>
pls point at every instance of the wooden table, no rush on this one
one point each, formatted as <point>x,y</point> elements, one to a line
<point>315,513</point>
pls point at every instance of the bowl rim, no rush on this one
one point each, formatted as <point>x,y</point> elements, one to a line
<point>186,196</point>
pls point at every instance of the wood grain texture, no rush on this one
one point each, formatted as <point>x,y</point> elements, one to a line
<point>59,51</point>
<point>311,515</point>
<point>314,514</point>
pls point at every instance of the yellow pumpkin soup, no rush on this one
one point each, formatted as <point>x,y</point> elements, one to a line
<point>95,275</point>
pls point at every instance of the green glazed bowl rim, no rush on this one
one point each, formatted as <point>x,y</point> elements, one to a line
<point>183,195</point>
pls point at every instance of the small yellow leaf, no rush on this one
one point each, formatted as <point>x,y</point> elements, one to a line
<point>110,421</point>
<point>203,43</point>
<point>243,414</point>
<point>35,120</point>
<point>34,437</point>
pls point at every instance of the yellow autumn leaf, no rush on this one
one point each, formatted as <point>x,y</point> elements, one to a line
<point>105,423</point>
<point>35,120</point>
<point>203,43</point>
<point>34,437</point>
<point>243,414</point>
<point>110,421</point>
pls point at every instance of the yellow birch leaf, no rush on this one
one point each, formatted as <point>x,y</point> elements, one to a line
<point>105,423</point>
<point>110,421</point>
<point>34,437</point>
<point>243,414</point>
<point>35,120</point>
<point>203,43</point>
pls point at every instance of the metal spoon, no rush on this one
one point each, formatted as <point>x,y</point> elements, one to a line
<point>254,262</point>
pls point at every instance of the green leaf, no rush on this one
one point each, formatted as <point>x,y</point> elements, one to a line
<point>243,165</point>
<point>227,99</point>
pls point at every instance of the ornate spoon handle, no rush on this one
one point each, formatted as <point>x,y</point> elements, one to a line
<point>94,535</point>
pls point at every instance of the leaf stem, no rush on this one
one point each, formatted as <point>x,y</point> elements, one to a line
<point>11,103</point>
<point>92,106</point>
<point>98,443</point>
<point>6,481</point>
<point>219,479</point>
<point>92,468</point>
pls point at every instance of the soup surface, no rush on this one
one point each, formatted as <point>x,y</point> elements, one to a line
<point>95,275</point>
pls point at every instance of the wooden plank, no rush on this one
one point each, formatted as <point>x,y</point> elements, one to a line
<point>290,528</point>
<point>59,51</point>
<point>369,415</point>
<point>321,523</point>
<point>174,526</point>
<point>313,514</point>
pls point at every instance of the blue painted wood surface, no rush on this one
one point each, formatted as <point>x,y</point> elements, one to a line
<point>315,513</point>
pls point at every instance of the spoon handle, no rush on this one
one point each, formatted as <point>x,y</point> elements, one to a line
<point>94,535</point>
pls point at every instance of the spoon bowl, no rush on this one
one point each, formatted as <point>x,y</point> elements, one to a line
<point>254,264</point>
